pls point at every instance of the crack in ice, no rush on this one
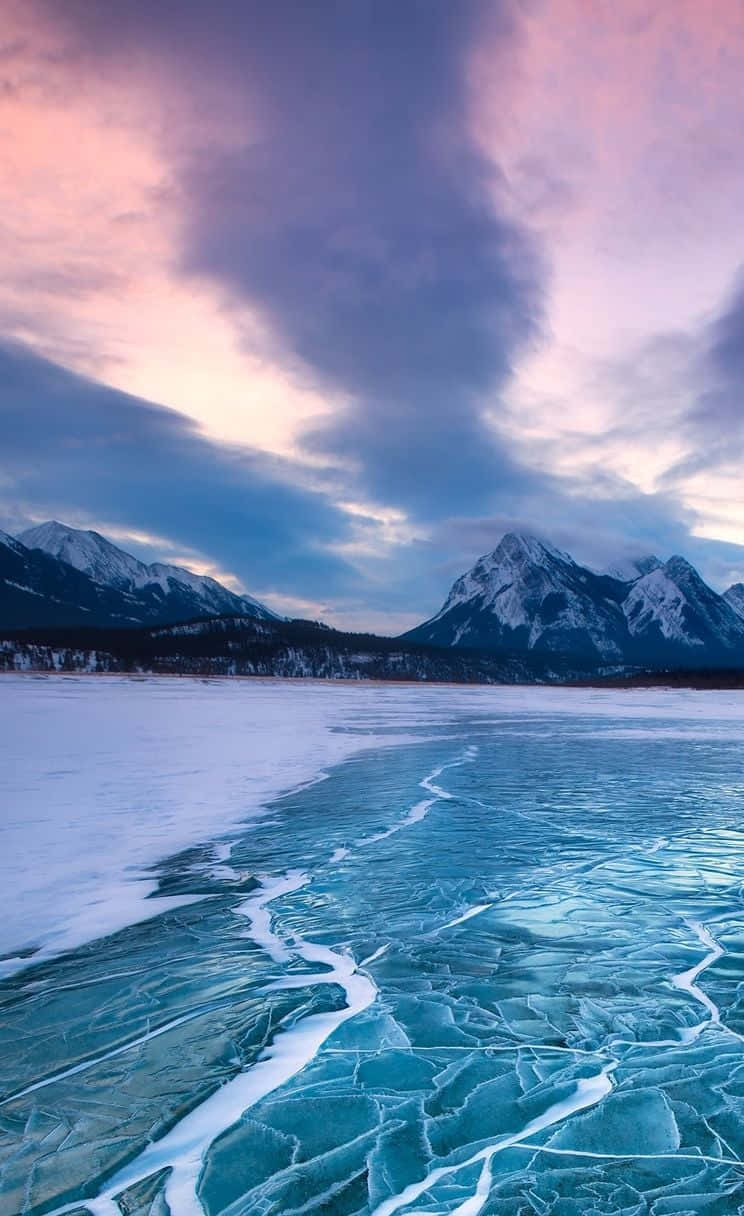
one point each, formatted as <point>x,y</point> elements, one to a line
<point>686,979</point>
<point>589,1091</point>
<point>116,1051</point>
<point>182,1149</point>
<point>597,1156</point>
<point>422,808</point>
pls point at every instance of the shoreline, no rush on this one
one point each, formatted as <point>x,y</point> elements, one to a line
<point>611,684</point>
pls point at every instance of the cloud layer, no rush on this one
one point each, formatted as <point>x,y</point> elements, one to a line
<point>405,274</point>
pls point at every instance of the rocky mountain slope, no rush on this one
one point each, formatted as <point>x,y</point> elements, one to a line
<point>672,607</point>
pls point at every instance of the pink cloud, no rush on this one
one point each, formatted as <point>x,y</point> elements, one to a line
<point>92,224</point>
<point>617,130</point>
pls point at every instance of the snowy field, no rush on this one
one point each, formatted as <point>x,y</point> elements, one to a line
<point>279,947</point>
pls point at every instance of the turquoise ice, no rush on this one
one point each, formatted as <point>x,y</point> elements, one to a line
<point>495,969</point>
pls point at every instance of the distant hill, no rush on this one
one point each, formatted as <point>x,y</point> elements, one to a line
<point>248,646</point>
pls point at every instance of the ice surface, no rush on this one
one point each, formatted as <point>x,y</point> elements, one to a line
<point>527,999</point>
<point>102,778</point>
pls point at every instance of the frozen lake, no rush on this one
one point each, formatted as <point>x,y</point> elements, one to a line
<point>492,961</point>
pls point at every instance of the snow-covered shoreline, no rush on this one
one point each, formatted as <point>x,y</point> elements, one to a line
<point>103,779</point>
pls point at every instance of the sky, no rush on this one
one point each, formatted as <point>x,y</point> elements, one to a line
<point>322,298</point>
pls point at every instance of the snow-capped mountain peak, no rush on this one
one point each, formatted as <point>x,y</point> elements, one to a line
<point>155,592</point>
<point>90,552</point>
<point>521,546</point>
<point>673,604</point>
<point>527,594</point>
<point>493,574</point>
<point>657,601</point>
<point>682,571</point>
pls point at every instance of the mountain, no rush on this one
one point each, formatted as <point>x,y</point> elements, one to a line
<point>529,596</point>
<point>146,593</point>
<point>734,597</point>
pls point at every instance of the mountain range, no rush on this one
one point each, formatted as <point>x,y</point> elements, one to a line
<point>53,575</point>
<point>529,596</point>
<point>526,602</point>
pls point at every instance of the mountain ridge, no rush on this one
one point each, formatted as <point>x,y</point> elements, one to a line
<point>53,574</point>
<point>525,598</point>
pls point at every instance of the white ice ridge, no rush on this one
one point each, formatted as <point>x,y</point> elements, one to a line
<point>182,1149</point>
<point>487,1048</point>
<point>257,911</point>
<point>594,1156</point>
<point>459,920</point>
<point>422,808</point>
<point>686,979</point>
<point>589,1091</point>
<point>378,953</point>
